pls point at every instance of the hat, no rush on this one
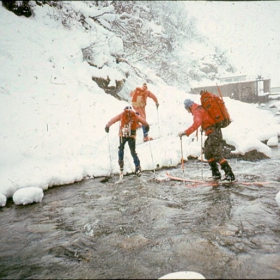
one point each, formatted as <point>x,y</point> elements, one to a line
<point>188,103</point>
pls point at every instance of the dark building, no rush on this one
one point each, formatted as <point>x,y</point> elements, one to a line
<point>254,91</point>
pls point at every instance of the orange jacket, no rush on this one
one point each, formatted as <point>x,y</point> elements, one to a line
<point>139,97</point>
<point>200,118</point>
<point>127,117</point>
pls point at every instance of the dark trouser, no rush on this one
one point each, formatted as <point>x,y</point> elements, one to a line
<point>131,144</point>
<point>213,147</point>
<point>145,133</point>
<point>214,154</point>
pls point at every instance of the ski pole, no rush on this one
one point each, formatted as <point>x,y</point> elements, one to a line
<point>152,158</point>
<point>158,123</point>
<point>219,91</point>
<point>201,153</point>
<point>182,158</point>
<point>109,154</point>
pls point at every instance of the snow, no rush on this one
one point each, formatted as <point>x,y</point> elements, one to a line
<point>248,30</point>
<point>277,198</point>
<point>28,195</point>
<point>53,115</point>
<point>273,142</point>
<point>183,275</point>
<point>3,199</point>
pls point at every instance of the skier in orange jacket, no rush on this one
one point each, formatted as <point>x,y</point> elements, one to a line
<point>139,100</point>
<point>129,122</point>
<point>213,149</point>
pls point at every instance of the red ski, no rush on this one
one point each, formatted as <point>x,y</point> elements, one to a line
<point>214,182</point>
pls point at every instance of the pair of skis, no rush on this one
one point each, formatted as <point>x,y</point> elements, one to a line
<point>214,183</point>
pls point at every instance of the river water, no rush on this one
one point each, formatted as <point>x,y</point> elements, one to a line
<point>147,227</point>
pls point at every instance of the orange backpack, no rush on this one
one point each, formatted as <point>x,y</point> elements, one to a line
<point>216,108</point>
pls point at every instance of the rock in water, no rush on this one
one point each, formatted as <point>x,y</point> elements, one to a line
<point>28,195</point>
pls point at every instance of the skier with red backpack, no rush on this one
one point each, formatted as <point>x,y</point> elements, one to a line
<point>139,99</point>
<point>211,116</point>
<point>129,121</point>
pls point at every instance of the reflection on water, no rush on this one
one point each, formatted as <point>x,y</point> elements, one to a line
<point>146,228</point>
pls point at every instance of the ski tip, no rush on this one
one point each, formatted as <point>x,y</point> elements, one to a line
<point>120,180</point>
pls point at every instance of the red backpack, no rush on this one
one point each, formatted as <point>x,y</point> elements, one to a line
<point>216,108</point>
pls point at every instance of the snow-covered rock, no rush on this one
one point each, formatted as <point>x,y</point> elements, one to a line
<point>3,200</point>
<point>277,198</point>
<point>183,275</point>
<point>28,195</point>
<point>273,141</point>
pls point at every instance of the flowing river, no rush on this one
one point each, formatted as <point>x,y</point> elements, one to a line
<point>147,227</point>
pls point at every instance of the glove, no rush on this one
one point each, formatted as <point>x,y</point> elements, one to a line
<point>180,134</point>
<point>157,105</point>
<point>147,128</point>
<point>107,128</point>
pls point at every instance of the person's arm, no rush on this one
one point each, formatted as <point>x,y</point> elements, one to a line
<point>197,121</point>
<point>151,95</point>
<point>112,121</point>
<point>132,93</point>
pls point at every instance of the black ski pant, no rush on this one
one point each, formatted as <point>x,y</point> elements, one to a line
<point>213,146</point>
<point>132,144</point>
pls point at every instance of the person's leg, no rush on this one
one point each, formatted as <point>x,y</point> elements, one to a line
<point>212,150</point>
<point>145,133</point>
<point>215,144</point>
<point>214,168</point>
<point>131,143</point>
<point>121,152</point>
<point>220,158</point>
<point>229,176</point>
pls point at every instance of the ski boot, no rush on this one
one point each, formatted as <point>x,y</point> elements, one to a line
<point>138,171</point>
<point>216,175</point>
<point>229,176</point>
<point>121,168</point>
<point>147,139</point>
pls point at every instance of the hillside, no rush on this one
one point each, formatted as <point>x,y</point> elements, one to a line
<point>132,41</point>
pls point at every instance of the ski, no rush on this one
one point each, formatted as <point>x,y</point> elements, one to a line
<point>184,179</point>
<point>194,182</point>
<point>120,178</point>
<point>143,142</point>
<point>214,182</point>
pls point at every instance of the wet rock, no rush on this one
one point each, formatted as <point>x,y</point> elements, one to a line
<point>133,242</point>
<point>253,155</point>
<point>104,84</point>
